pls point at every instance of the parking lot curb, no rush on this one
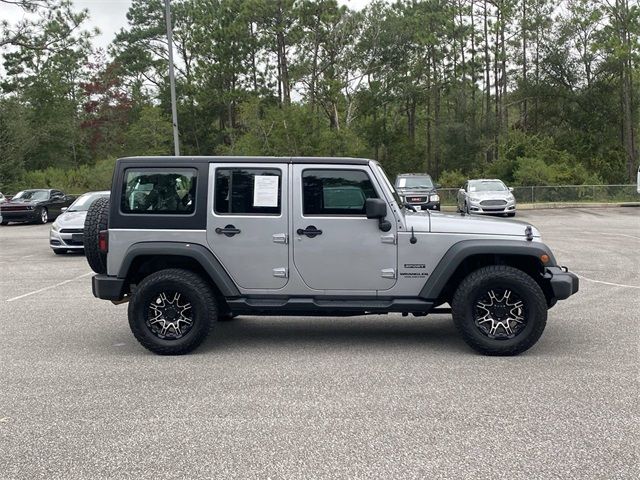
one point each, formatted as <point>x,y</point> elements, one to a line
<point>546,206</point>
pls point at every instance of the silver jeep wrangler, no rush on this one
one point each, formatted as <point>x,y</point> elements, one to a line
<point>191,240</point>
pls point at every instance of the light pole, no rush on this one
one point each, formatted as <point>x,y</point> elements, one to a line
<point>172,80</point>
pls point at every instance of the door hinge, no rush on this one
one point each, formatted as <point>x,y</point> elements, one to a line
<point>388,273</point>
<point>280,238</point>
<point>280,272</point>
<point>391,238</point>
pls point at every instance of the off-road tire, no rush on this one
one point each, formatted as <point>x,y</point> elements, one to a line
<point>496,276</point>
<point>59,251</point>
<point>97,220</point>
<point>204,310</point>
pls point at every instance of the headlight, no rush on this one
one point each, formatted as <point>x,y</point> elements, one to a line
<point>434,198</point>
<point>54,227</point>
<point>474,199</point>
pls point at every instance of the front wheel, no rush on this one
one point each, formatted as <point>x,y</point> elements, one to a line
<point>172,311</point>
<point>499,310</point>
<point>44,216</point>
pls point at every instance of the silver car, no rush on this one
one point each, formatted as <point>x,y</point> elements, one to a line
<point>486,196</point>
<point>67,231</point>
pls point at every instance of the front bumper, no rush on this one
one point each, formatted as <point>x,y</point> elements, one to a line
<point>478,207</point>
<point>563,282</point>
<point>107,287</point>
<point>68,240</point>
<point>425,205</point>
<point>20,216</point>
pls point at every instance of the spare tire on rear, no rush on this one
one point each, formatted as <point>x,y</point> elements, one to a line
<point>97,220</point>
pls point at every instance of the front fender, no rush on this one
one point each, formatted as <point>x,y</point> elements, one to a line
<point>466,248</point>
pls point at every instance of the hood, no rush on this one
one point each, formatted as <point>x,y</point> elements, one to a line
<point>473,225</point>
<point>20,201</point>
<point>498,194</point>
<point>71,220</point>
<point>415,191</point>
<point>470,224</point>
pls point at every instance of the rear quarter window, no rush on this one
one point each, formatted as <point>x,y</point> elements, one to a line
<point>159,191</point>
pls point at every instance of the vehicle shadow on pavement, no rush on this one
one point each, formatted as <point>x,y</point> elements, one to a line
<point>290,332</point>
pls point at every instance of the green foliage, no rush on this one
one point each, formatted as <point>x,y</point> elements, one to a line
<point>452,179</point>
<point>150,134</point>
<point>75,181</point>
<point>543,95</point>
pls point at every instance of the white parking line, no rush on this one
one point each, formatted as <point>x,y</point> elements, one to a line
<point>607,283</point>
<point>49,287</point>
<point>621,235</point>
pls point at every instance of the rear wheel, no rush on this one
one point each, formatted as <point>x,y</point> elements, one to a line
<point>96,221</point>
<point>172,311</point>
<point>499,310</point>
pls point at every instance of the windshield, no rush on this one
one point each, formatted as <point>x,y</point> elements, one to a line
<point>83,202</point>
<point>396,197</point>
<point>415,182</point>
<point>487,186</point>
<point>32,195</point>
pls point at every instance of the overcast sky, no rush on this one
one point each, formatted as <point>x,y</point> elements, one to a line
<point>110,15</point>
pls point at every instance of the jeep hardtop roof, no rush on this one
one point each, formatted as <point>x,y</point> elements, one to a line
<point>248,159</point>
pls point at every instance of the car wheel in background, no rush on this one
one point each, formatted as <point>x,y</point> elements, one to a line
<point>96,221</point>
<point>44,216</point>
<point>172,311</point>
<point>499,310</point>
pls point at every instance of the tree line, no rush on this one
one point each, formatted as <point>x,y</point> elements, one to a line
<point>532,91</point>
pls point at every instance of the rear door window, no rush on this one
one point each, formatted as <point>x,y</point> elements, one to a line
<point>248,191</point>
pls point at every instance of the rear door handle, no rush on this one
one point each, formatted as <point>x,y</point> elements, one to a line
<point>311,231</point>
<point>229,230</point>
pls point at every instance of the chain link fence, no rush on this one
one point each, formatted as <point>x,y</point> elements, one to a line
<point>561,193</point>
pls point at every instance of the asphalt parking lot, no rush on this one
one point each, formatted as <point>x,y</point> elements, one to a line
<point>362,397</point>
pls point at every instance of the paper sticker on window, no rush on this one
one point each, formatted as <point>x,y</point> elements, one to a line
<point>265,191</point>
<point>402,182</point>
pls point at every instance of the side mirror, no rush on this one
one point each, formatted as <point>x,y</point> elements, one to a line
<point>377,208</point>
<point>63,209</point>
<point>511,189</point>
<point>462,190</point>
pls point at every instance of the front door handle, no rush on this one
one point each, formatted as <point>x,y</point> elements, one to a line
<point>229,230</point>
<point>310,231</point>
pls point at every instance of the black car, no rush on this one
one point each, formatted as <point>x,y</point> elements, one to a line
<point>418,190</point>
<point>37,205</point>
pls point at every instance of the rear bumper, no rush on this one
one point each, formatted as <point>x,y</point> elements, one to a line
<point>563,282</point>
<point>107,287</point>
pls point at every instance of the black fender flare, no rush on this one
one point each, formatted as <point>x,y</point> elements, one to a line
<point>466,248</point>
<point>197,252</point>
